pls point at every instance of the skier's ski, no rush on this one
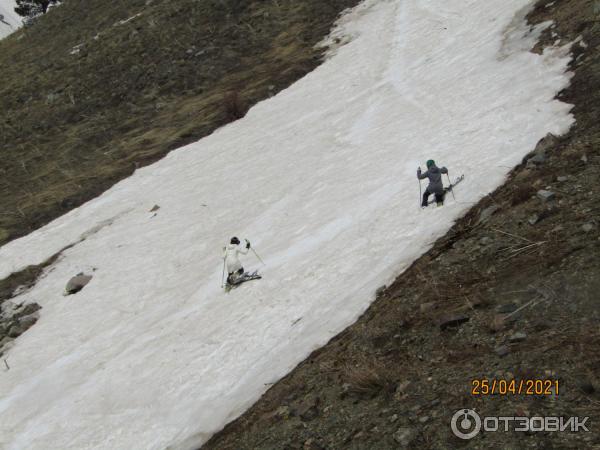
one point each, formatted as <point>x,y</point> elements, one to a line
<point>242,279</point>
<point>456,181</point>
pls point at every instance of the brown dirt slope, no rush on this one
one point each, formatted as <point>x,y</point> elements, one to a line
<point>97,88</point>
<point>511,297</point>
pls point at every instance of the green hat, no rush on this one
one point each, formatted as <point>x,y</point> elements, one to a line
<point>430,163</point>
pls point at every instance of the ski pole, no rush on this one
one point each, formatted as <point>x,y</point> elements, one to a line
<point>258,257</point>
<point>223,275</point>
<point>420,194</point>
<point>255,254</point>
<point>450,186</point>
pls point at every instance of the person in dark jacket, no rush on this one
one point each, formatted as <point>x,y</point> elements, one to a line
<point>436,186</point>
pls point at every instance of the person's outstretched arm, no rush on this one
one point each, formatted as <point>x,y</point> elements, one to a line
<point>244,250</point>
<point>422,176</point>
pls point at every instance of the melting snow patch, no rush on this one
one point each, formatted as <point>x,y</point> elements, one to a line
<point>321,178</point>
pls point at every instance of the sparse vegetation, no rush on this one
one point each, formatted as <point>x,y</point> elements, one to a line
<point>369,378</point>
<point>97,88</point>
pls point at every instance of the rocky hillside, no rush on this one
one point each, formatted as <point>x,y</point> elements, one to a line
<point>510,293</point>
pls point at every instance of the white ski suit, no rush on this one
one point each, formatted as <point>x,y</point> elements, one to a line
<point>231,256</point>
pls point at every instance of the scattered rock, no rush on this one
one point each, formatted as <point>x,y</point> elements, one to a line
<point>27,310</point>
<point>517,337</point>
<point>283,412</point>
<point>587,227</point>
<point>507,308</point>
<point>394,418</point>
<point>424,419</point>
<point>502,350</point>
<point>453,258</point>
<point>27,322</point>
<point>485,240</point>
<point>77,283</point>
<point>538,156</point>
<point>404,436</point>
<point>380,290</point>
<point>546,143</point>
<point>402,387</point>
<point>499,322</point>
<point>584,158</point>
<point>545,195</point>
<point>308,413</point>
<point>533,219</point>
<point>562,179</point>
<point>429,306</point>
<point>15,331</point>
<point>345,390</point>
<point>309,410</point>
<point>155,208</point>
<point>537,159</point>
<point>487,213</point>
<point>454,320</point>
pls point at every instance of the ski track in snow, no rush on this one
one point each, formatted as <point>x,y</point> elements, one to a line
<point>321,178</point>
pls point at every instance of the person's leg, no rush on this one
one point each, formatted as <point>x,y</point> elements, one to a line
<point>233,276</point>
<point>439,198</point>
<point>425,198</point>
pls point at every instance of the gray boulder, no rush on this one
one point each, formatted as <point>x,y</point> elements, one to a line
<point>27,310</point>
<point>404,437</point>
<point>487,213</point>
<point>77,283</point>
<point>545,196</point>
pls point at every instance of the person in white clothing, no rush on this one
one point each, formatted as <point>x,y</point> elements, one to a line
<point>232,252</point>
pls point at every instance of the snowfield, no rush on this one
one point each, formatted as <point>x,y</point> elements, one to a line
<point>11,20</point>
<point>152,354</point>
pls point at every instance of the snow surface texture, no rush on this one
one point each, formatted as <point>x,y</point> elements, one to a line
<point>321,178</point>
<point>10,20</point>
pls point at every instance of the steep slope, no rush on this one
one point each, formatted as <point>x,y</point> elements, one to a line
<point>98,88</point>
<point>523,277</point>
<point>152,353</point>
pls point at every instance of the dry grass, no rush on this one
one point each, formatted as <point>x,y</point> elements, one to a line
<point>521,193</point>
<point>368,378</point>
<point>73,124</point>
<point>234,106</point>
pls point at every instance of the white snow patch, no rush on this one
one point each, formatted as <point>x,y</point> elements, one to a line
<point>10,21</point>
<point>321,178</point>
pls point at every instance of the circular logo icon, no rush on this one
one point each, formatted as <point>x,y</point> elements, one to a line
<point>465,424</point>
